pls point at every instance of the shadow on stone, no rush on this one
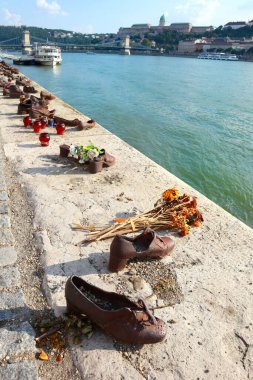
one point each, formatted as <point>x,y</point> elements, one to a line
<point>96,262</point>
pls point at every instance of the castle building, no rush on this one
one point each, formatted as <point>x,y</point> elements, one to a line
<point>162,21</point>
<point>141,29</point>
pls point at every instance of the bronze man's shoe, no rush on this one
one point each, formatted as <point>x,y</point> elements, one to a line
<point>104,159</point>
<point>145,245</point>
<point>126,321</point>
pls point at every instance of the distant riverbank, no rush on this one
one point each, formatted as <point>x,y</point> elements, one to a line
<point>136,52</point>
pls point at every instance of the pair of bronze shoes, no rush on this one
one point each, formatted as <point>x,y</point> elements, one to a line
<point>126,321</point>
<point>103,160</point>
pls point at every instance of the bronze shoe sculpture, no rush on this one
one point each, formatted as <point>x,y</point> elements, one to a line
<point>89,124</point>
<point>37,110</point>
<point>14,91</point>
<point>25,106</point>
<point>145,245</point>
<point>29,89</point>
<point>104,159</point>
<point>124,320</point>
<point>22,81</point>
<point>46,95</point>
<point>3,82</point>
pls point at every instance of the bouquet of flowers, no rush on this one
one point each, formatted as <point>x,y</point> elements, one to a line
<point>85,153</point>
<point>173,211</point>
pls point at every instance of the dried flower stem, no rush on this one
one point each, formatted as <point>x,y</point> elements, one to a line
<point>178,214</point>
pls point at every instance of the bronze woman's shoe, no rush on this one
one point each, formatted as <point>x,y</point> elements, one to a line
<point>126,321</point>
<point>29,89</point>
<point>46,95</point>
<point>145,245</point>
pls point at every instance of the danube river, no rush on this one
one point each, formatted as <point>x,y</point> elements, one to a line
<point>193,117</point>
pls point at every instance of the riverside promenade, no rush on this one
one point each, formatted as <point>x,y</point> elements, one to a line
<point>210,321</point>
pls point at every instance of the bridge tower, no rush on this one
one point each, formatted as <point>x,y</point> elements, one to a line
<point>126,45</point>
<point>26,44</point>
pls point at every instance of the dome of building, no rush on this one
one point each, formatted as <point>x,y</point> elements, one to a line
<point>162,21</point>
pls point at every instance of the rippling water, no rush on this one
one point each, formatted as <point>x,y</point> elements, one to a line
<point>193,117</point>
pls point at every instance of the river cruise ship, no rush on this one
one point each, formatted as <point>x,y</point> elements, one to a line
<point>218,56</point>
<point>45,55</point>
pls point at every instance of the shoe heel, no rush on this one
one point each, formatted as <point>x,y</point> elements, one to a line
<point>116,264</point>
<point>71,309</point>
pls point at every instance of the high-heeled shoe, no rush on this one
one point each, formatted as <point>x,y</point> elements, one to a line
<point>145,245</point>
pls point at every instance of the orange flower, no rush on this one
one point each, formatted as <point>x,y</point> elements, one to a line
<point>43,355</point>
<point>197,223</point>
<point>171,194</point>
<point>120,220</point>
<point>183,232</point>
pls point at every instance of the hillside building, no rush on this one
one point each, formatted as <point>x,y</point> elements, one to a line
<point>235,25</point>
<point>191,46</point>
<point>141,29</point>
<point>215,44</point>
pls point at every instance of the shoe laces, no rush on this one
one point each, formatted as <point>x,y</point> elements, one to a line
<point>145,308</point>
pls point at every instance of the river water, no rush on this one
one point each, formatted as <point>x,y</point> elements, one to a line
<point>193,117</point>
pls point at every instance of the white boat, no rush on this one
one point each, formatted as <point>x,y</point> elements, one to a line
<point>47,55</point>
<point>218,56</point>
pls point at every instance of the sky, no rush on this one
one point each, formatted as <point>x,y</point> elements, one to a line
<point>107,16</point>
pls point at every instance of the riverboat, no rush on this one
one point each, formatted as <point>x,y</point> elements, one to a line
<point>45,55</point>
<point>218,56</point>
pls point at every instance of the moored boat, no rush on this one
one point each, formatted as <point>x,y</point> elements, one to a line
<point>218,56</point>
<point>47,55</point>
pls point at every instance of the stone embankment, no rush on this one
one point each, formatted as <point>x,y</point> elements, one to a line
<point>210,320</point>
<point>17,345</point>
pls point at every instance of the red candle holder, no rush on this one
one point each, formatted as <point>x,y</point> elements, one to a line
<point>43,122</point>
<point>37,126</point>
<point>44,139</point>
<point>27,121</point>
<point>60,128</point>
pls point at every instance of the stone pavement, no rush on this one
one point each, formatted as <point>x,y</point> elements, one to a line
<point>17,346</point>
